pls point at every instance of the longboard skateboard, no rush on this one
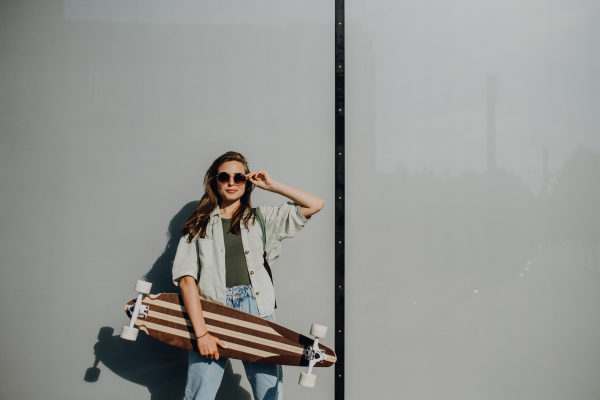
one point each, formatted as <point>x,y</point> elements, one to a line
<point>248,337</point>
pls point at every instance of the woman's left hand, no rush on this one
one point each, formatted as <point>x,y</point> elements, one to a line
<point>261,179</point>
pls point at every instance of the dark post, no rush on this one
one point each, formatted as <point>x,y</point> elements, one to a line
<point>340,199</point>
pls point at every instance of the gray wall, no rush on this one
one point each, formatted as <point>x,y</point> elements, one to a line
<point>110,114</point>
<point>473,172</point>
<point>473,262</point>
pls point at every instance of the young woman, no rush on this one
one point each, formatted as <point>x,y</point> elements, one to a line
<point>220,259</point>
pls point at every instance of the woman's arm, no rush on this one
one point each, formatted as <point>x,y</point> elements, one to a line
<point>207,344</point>
<point>309,203</point>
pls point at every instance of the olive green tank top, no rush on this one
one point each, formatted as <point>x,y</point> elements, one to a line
<point>236,271</point>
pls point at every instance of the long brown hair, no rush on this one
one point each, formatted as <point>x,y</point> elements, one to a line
<point>198,220</point>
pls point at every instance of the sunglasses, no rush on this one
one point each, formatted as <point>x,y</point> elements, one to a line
<point>238,179</point>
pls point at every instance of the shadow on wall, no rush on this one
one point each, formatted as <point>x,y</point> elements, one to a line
<point>161,273</point>
<point>148,362</point>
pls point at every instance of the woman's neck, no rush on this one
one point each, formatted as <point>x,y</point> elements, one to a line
<point>227,209</point>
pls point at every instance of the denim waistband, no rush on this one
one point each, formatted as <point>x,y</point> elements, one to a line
<point>239,292</point>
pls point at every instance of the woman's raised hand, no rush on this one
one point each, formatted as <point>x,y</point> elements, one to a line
<point>261,179</point>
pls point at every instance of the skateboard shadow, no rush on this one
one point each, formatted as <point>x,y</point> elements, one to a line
<point>147,361</point>
<point>158,366</point>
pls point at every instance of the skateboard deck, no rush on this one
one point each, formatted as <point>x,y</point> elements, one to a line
<point>248,337</point>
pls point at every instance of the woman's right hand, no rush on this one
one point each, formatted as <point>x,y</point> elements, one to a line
<point>207,346</point>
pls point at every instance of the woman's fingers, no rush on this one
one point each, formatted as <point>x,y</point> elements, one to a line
<point>260,179</point>
<point>210,353</point>
<point>214,349</point>
<point>256,177</point>
<point>256,174</point>
<point>208,348</point>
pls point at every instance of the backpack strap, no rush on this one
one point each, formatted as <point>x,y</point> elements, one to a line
<point>261,222</point>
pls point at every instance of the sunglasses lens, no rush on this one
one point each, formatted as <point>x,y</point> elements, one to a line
<point>223,177</point>
<point>239,178</point>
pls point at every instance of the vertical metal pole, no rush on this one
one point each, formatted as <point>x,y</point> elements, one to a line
<point>340,199</point>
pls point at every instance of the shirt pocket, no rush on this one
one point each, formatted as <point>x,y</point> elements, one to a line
<point>205,252</point>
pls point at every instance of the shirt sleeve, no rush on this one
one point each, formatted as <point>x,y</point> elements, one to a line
<point>283,221</point>
<point>186,261</point>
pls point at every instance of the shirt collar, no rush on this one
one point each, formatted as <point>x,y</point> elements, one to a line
<point>217,212</point>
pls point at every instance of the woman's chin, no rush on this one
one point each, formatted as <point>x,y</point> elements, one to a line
<point>231,197</point>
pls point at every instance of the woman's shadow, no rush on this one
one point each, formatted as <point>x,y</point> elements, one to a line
<point>148,362</point>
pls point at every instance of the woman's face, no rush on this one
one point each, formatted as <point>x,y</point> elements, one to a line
<point>230,191</point>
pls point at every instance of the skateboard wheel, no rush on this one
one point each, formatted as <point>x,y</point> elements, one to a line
<point>143,287</point>
<point>128,333</point>
<point>307,380</point>
<point>318,331</point>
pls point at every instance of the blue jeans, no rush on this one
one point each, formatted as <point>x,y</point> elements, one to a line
<point>204,375</point>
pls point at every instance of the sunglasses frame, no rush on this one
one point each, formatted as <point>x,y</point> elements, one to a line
<point>229,178</point>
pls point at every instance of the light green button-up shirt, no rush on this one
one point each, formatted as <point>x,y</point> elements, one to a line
<point>204,258</point>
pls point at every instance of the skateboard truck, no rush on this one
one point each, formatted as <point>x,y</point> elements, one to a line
<point>313,355</point>
<point>143,312</point>
<point>139,310</point>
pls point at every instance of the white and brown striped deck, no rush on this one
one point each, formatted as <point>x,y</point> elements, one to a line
<point>247,337</point>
